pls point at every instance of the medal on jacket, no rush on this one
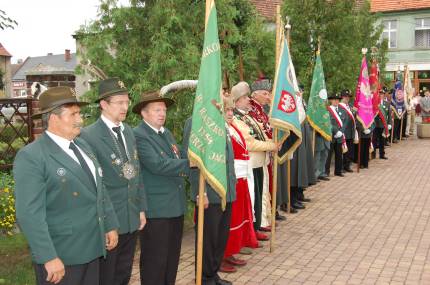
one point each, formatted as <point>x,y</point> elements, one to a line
<point>127,168</point>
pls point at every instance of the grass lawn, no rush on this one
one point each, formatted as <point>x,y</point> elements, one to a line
<point>15,261</point>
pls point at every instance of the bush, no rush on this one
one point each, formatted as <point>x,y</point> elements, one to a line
<point>7,204</point>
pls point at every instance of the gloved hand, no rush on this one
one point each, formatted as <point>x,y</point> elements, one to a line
<point>291,156</point>
<point>338,134</point>
<point>366,131</point>
<point>389,127</point>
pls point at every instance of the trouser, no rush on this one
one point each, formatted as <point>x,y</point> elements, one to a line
<point>320,162</point>
<point>348,156</point>
<point>335,147</point>
<point>380,141</point>
<point>294,191</point>
<point>216,228</point>
<point>82,274</point>
<point>397,123</point>
<point>258,192</point>
<point>364,152</point>
<point>116,268</point>
<point>412,123</point>
<point>160,244</point>
<point>405,120</point>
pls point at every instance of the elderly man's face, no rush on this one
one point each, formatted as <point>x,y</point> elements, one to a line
<point>243,103</point>
<point>68,124</point>
<point>263,97</point>
<point>155,114</point>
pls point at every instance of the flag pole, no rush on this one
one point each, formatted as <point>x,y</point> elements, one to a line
<point>201,209</point>
<point>275,136</point>
<point>359,154</point>
<point>275,184</point>
<point>200,230</point>
<point>392,125</point>
<point>401,125</point>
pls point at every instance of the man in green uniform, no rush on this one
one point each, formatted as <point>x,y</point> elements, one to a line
<point>163,173</point>
<point>382,123</point>
<point>216,225</point>
<point>61,203</point>
<point>115,148</point>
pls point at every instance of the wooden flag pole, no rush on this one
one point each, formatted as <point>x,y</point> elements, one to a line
<point>200,218</point>
<point>275,137</point>
<point>274,188</point>
<point>359,154</point>
<point>201,208</point>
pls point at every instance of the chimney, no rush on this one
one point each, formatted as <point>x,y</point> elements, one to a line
<point>67,56</point>
<point>49,53</point>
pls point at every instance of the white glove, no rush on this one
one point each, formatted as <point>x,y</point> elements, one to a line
<point>366,131</point>
<point>290,156</point>
<point>389,127</point>
<point>338,134</point>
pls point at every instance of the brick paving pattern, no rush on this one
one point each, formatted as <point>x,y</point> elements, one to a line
<point>367,228</point>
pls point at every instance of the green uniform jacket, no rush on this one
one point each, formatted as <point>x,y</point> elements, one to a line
<point>128,196</point>
<point>361,133</point>
<point>384,107</point>
<point>163,172</point>
<point>348,122</point>
<point>335,126</point>
<point>58,212</point>
<point>213,197</point>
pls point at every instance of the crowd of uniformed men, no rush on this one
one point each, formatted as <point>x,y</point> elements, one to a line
<point>85,195</point>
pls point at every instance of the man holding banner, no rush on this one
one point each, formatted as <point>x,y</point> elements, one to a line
<point>208,144</point>
<point>319,119</point>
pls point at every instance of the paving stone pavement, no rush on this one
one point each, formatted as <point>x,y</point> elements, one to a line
<point>371,227</point>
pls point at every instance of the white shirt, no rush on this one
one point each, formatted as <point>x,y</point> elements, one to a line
<point>64,145</point>
<point>111,125</point>
<point>155,130</point>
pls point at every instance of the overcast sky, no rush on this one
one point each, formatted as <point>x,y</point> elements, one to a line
<point>45,25</point>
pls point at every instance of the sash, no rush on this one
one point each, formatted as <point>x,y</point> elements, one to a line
<point>332,111</point>
<point>396,113</point>
<point>351,115</point>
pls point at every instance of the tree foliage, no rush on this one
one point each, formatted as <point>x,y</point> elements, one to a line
<point>152,43</point>
<point>343,30</point>
<point>6,22</point>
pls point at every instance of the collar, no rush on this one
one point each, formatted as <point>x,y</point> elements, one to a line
<point>111,124</point>
<point>155,129</point>
<point>241,111</point>
<point>62,142</point>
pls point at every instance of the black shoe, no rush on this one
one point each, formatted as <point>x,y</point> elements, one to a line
<point>339,174</point>
<point>395,141</point>
<point>383,157</point>
<point>298,206</point>
<point>348,169</point>
<point>293,211</point>
<point>284,208</point>
<point>324,178</point>
<point>279,217</point>
<point>223,282</point>
<point>306,200</point>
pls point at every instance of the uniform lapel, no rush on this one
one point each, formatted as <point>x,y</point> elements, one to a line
<point>98,171</point>
<point>64,159</point>
<point>160,142</point>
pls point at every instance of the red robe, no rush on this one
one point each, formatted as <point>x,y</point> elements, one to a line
<point>241,224</point>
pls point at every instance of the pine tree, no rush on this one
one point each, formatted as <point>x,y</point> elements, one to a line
<point>152,43</point>
<point>343,30</point>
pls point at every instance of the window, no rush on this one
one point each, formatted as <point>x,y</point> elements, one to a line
<point>390,32</point>
<point>422,33</point>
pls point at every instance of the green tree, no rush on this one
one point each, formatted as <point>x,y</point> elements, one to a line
<point>152,43</point>
<point>6,22</point>
<point>343,29</point>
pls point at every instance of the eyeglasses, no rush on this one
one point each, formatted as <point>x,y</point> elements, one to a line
<point>120,103</point>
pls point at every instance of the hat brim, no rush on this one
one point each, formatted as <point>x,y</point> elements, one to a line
<point>64,102</point>
<point>334,98</point>
<point>346,95</point>
<point>111,93</point>
<point>139,106</point>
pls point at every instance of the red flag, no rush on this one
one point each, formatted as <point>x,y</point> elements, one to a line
<point>374,86</point>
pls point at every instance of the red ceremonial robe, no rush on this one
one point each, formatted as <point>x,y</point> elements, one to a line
<point>241,224</point>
